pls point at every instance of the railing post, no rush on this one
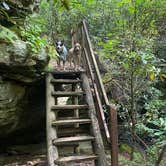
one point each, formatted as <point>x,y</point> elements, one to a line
<point>113,135</point>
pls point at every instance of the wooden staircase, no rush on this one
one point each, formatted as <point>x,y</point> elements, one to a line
<point>70,124</point>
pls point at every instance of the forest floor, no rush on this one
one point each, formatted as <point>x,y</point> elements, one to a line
<point>35,155</point>
<point>30,155</point>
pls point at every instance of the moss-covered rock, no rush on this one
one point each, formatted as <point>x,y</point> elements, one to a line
<point>18,62</point>
<point>6,35</point>
<point>22,103</point>
<point>22,111</point>
<point>11,96</point>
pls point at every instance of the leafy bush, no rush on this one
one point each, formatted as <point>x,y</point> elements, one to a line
<point>33,31</point>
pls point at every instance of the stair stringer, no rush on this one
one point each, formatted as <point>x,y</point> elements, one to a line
<point>98,143</point>
<point>52,152</point>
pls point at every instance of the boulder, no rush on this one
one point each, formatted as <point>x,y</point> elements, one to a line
<point>18,52</point>
<point>22,91</point>
<point>11,96</point>
<point>22,111</point>
<point>18,62</point>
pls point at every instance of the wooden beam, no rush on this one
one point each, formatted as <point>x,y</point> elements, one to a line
<point>98,103</point>
<point>64,140</point>
<point>98,145</point>
<point>66,81</point>
<point>71,121</point>
<point>52,152</point>
<point>96,69</point>
<point>67,94</point>
<point>114,135</point>
<point>69,107</point>
<point>77,159</point>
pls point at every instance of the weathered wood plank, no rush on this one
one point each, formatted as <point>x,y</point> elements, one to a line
<point>71,121</point>
<point>52,152</point>
<point>98,104</point>
<point>96,69</point>
<point>72,131</point>
<point>66,81</point>
<point>67,72</point>
<point>75,158</point>
<point>64,140</point>
<point>69,107</point>
<point>98,145</point>
<point>66,94</point>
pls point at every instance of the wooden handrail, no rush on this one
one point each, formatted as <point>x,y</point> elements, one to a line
<point>98,78</point>
<point>89,61</point>
<point>81,35</point>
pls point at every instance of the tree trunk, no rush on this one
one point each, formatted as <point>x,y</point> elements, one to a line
<point>161,155</point>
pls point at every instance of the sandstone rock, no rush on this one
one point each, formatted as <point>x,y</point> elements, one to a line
<point>22,109</point>
<point>18,52</point>
<point>18,63</point>
<point>11,95</point>
<point>22,92</point>
<point>22,89</point>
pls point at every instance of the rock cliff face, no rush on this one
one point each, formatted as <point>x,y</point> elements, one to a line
<point>22,87</point>
<point>16,8</point>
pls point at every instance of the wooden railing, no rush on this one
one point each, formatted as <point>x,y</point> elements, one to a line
<point>89,62</point>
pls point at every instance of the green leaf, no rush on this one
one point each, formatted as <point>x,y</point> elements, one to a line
<point>131,9</point>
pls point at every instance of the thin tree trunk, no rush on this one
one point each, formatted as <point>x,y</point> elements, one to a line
<point>161,155</point>
<point>132,111</point>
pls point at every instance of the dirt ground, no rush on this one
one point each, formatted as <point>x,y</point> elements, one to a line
<point>31,155</point>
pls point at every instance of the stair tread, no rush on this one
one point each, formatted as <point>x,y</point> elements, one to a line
<point>75,158</point>
<point>71,93</point>
<point>68,107</point>
<point>66,81</point>
<point>67,72</point>
<point>71,121</point>
<point>71,131</point>
<point>61,141</point>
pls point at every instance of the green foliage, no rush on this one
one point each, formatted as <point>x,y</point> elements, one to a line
<point>34,40</point>
<point>7,35</point>
<point>32,33</point>
<point>123,32</point>
<point>153,123</point>
<point>4,14</point>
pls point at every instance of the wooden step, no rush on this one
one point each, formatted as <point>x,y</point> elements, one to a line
<point>75,158</point>
<point>66,81</point>
<point>71,121</point>
<point>66,94</point>
<point>64,140</point>
<point>69,107</point>
<point>72,131</point>
<point>67,72</point>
